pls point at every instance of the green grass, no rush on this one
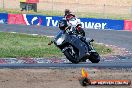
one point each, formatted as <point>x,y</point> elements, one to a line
<point>61,13</point>
<point>21,45</point>
<point>102,49</point>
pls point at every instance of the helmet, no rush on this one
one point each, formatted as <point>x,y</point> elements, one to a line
<point>69,16</point>
<point>67,11</point>
<point>63,24</point>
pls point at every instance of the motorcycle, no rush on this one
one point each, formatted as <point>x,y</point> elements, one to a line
<point>74,47</point>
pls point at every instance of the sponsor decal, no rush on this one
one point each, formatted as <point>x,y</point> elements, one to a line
<point>2,21</point>
<point>90,23</point>
<point>85,80</point>
<point>41,20</point>
<point>93,23</point>
<point>15,19</point>
<point>3,18</point>
<point>33,19</point>
<point>52,21</point>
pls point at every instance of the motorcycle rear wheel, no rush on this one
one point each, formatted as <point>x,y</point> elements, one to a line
<point>94,57</point>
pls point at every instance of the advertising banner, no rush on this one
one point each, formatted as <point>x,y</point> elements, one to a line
<point>90,23</point>
<point>3,18</point>
<point>15,19</point>
<point>93,23</point>
<point>128,25</point>
<point>53,20</point>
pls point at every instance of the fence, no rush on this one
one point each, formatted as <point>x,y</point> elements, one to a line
<point>105,8</point>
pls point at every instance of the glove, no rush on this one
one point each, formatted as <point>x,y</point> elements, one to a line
<point>50,42</point>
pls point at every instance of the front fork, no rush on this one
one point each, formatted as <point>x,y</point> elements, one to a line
<point>89,45</point>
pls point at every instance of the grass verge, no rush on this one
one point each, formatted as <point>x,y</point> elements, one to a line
<point>13,45</point>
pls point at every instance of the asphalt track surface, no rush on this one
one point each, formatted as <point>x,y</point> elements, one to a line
<point>119,64</point>
<point>121,39</point>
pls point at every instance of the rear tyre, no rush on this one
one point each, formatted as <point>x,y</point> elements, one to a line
<point>94,57</point>
<point>70,57</point>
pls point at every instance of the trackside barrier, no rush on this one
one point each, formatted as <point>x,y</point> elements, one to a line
<point>128,25</point>
<point>91,23</point>
<point>53,21</point>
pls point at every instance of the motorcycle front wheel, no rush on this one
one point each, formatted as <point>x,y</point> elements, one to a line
<point>70,56</point>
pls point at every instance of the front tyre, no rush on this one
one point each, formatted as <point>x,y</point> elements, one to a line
<point>94,57</point>
<point>69,56</point>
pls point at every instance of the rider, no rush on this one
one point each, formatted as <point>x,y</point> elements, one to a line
<point>69,16</point>
<point>69,21</point>
<point>72,20</point>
